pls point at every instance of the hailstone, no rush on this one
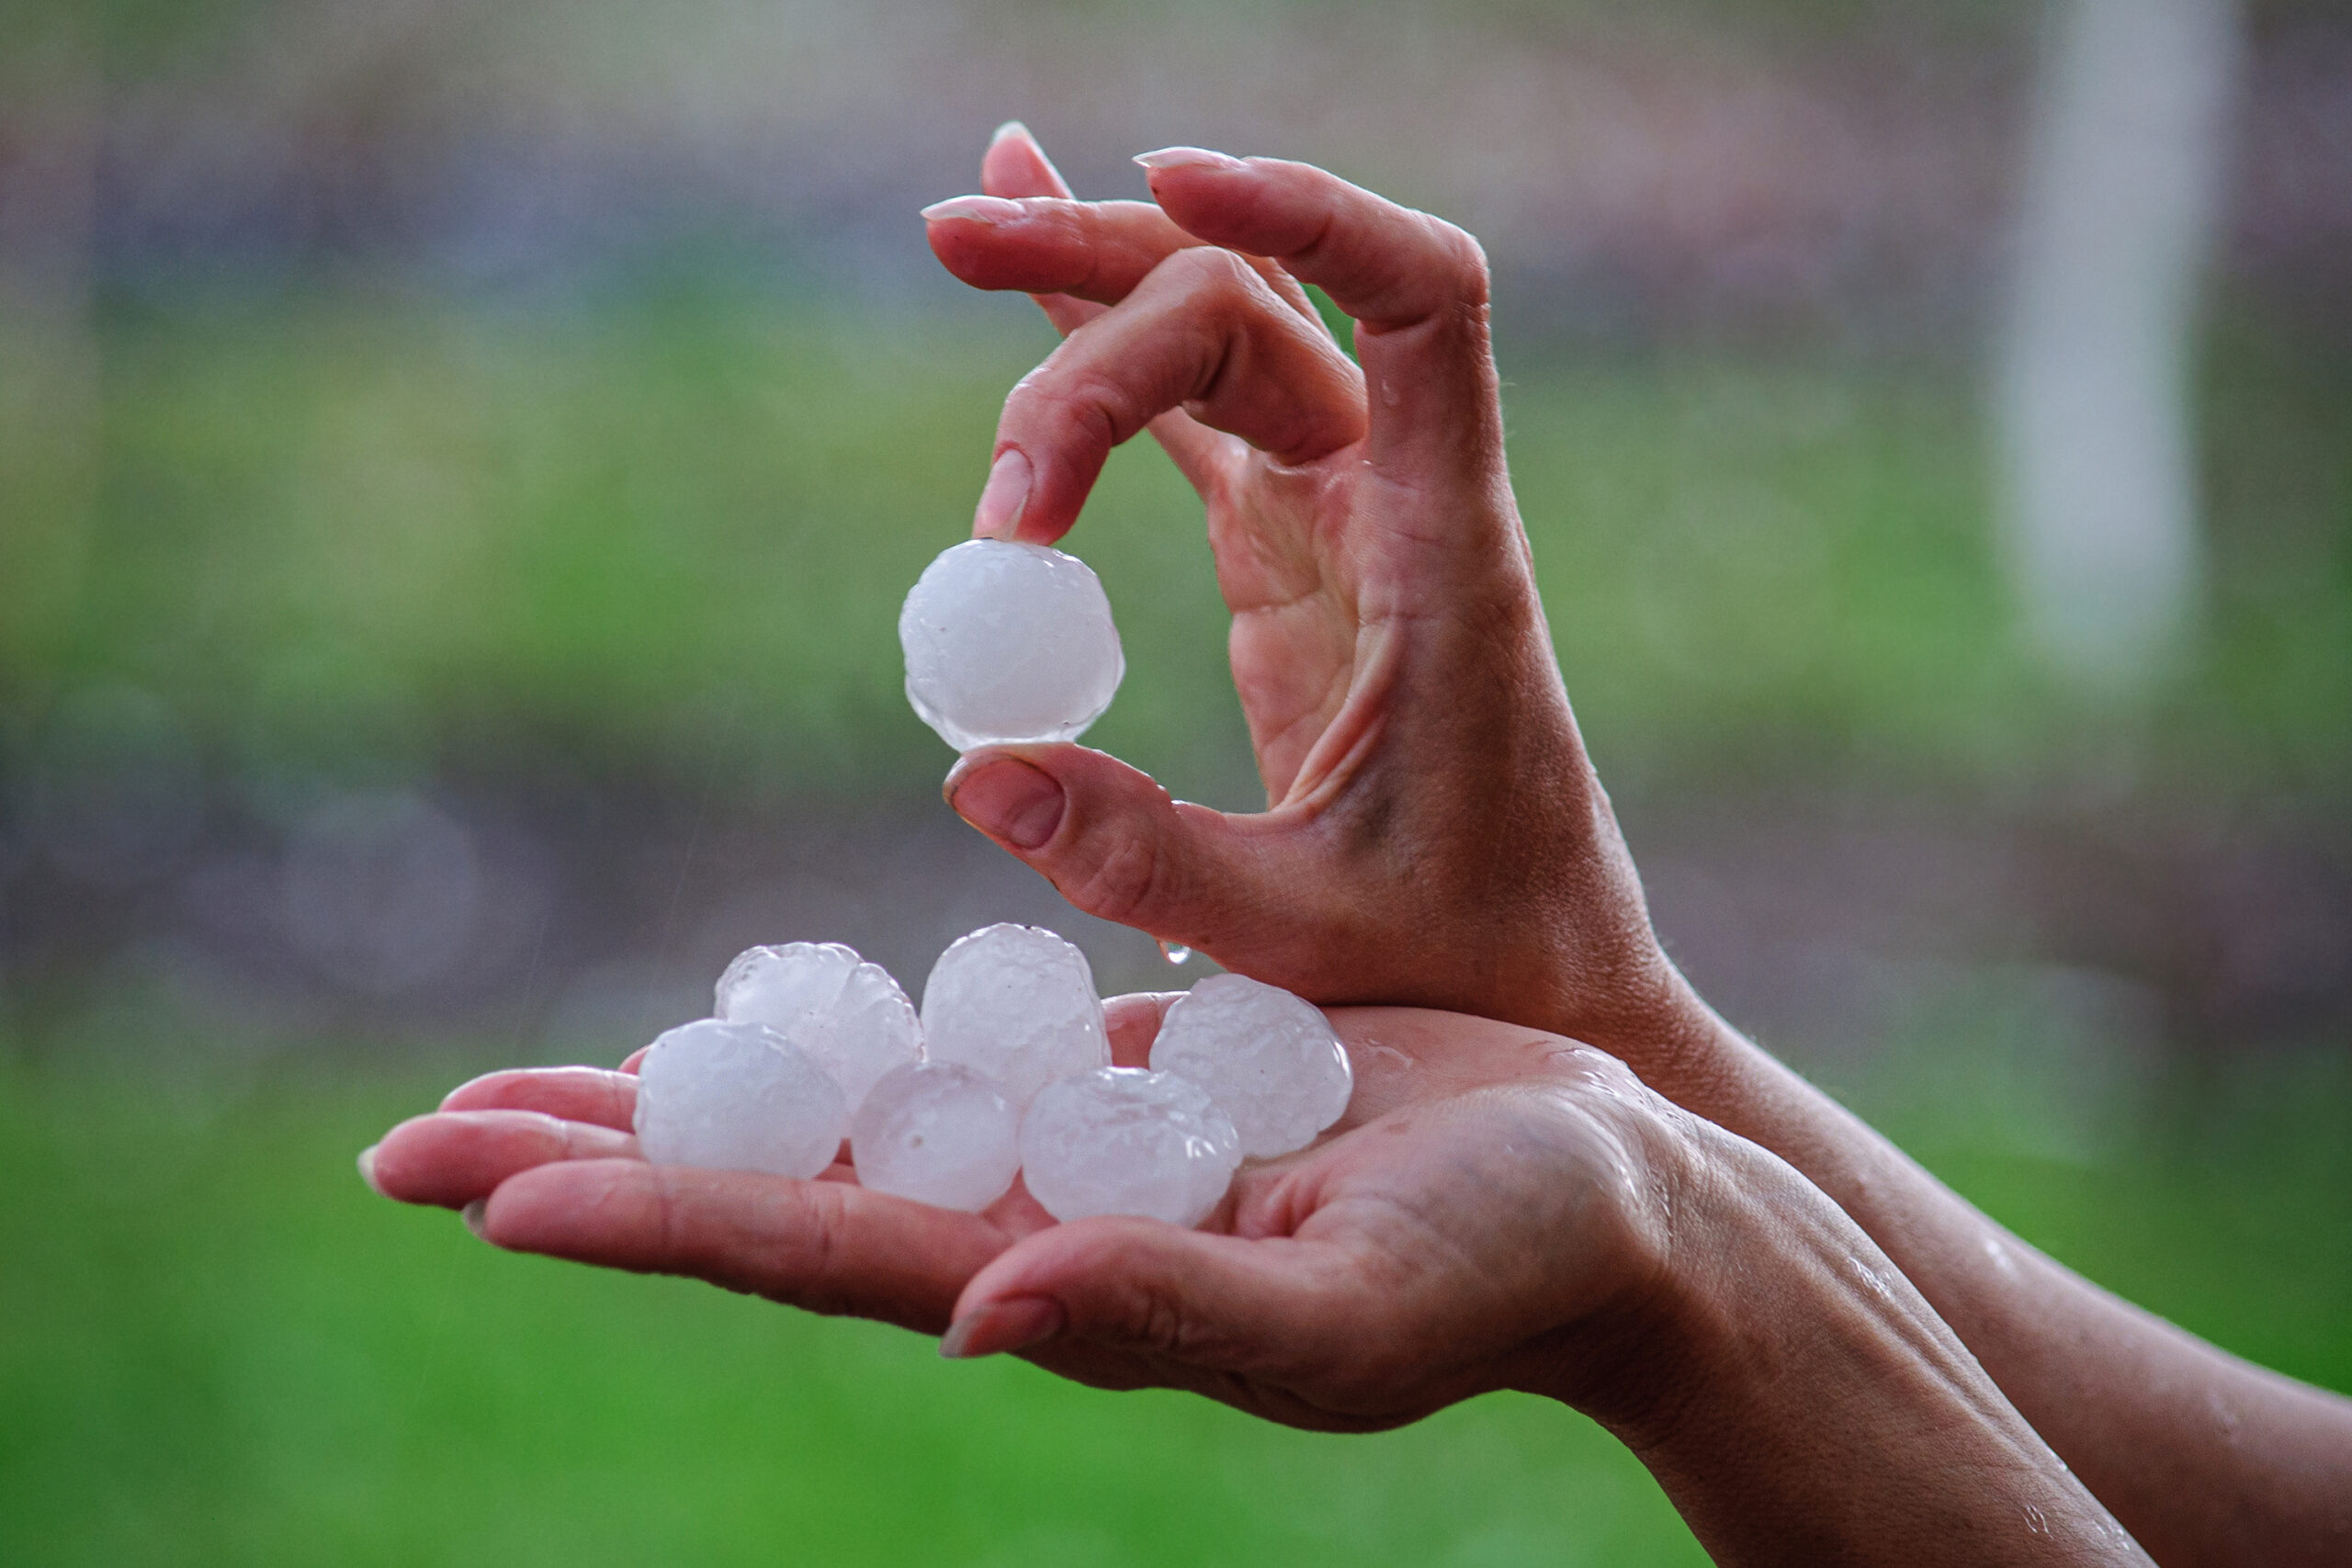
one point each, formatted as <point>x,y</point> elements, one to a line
<point>737,1097</point>
<point>938,1134</point>
<point>1009,642</point>
<point>1267,1057</point>
<point>849,1014</point>
<point>1124,1141</point>
<point>1016,1003</point>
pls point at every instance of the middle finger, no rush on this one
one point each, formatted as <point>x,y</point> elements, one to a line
<point>450,1158</point>
<point>1097,251</point>
<point>594,1095</point>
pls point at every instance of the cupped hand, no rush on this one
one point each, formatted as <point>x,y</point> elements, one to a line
<point>1498,1208</point>
<point>1435,834</point>
<point>1491,1212</point>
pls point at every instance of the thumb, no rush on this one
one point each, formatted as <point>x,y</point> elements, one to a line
<point>1137,1287</point>
<point>1115,845</point>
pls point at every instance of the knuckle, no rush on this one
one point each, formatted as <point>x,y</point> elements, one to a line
<point>1087,410</point>
<point>1122,881</point>
<point>1211,272</point>
<point>1159,1323</point>
<point>820,1217</point>
<point>1122,1297</point>
<point>1208,282</point>
<point>1063,407</point>
<point>1466,262</point>
<point>1367,1383</point>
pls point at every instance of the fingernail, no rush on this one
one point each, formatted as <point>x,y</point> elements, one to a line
<point>1010,800</point>
<point>1003,498</point>
<point>1000,1326</point>
<point>367,1167</point>
<point>1187,158</point>
<point>1010,128</point>
<point>472,1214</point>
<point>978,208</point>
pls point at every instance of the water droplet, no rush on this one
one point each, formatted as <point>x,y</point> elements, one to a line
<point>1174,951</point>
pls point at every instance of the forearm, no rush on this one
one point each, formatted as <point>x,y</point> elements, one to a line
<point>2205,1458</point>
<point>1804,1404</point>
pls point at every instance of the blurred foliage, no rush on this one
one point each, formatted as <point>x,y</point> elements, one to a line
<point>360,529</point>
<point>221,1348</point>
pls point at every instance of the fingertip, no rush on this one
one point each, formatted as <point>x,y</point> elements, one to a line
<point>1133,1021</point>
<point>1194,186</point>
<point>386,1163</point>
<point>1015,165</point>
<point>462,1097</point>
<point>1009,798</point>
<point>1166,158</point>
<point>1005,497</point>
<point>999,1327</point>
<point>989,210</point>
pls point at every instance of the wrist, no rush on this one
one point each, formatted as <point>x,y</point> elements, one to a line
<point>1652,1020</point>
<point>1800,1402</point>
<point>1640,1362</point>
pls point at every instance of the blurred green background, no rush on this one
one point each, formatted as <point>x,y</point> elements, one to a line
<point>458,467</point>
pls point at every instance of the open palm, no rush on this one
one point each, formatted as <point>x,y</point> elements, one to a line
<point>1483,1209</point>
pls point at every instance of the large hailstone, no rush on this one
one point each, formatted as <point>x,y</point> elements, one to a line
<point>1267,1057</point>
<point>1015,1004</point>
<point>737,1097</point>
<point>1124,1141</point>
<point>938,1134</point>
<point>1007,643</point>
<point>845,1012</point>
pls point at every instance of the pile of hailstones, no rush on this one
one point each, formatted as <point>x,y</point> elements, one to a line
<point>1006,1072</point>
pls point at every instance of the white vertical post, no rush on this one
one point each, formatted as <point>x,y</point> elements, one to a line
<point>2098,477</point>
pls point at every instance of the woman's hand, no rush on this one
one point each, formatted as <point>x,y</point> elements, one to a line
<point>1500,1207</point>
<point>1486,1203</point>
<point>1436,834</point>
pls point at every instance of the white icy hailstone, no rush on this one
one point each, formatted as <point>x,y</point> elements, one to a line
<point>737,1097</point>
<point>1267,1057</point>
<point>1008,642</point>
<point>1124,1141</point>
<point>938,1134</point>
<point>1017,1004</point>
<point>847,1013</point>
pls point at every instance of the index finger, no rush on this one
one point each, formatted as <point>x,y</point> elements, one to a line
<point>1016,166</point>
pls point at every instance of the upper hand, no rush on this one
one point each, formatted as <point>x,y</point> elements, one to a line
<point>1436,834</point>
